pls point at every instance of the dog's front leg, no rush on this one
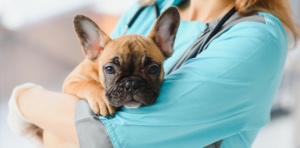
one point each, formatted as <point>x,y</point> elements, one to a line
<point>94,93</point>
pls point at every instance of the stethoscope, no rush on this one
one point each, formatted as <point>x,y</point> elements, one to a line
<point>143,4</point>
<point>192,54</point>
<point>185,57</point>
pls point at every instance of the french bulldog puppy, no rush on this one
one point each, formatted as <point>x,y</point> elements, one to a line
<point>126,71</point>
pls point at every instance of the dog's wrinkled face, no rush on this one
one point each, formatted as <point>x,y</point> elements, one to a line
<point>132,72</point>
<point>130,67</point>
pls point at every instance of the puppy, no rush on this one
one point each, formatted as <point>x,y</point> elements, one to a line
<point>126,71</point>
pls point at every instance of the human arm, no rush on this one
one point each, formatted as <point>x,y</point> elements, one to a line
<point>35,109</point>
<point>225,93</point>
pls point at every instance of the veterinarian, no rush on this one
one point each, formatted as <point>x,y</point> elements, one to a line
<point>219,96</point>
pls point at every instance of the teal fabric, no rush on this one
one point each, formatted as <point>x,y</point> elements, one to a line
<point>226,92</point>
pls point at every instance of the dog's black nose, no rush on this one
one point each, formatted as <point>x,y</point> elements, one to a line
<point>131,86</point>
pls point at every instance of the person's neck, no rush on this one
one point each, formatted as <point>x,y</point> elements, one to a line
<point>205,10</point>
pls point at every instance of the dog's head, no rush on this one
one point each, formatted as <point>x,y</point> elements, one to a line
<point>131,66</point>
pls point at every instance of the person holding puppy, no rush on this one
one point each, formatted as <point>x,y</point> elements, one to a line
<point>220,96</point>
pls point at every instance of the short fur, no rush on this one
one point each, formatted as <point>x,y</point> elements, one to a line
<point>125,71</point>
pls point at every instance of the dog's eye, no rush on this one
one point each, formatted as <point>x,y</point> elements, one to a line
<point>154,69</point>
<point>110,70</point>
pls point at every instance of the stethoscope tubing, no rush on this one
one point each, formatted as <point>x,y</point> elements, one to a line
<point>136,15</point>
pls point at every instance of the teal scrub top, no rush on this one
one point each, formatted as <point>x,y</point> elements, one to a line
<point>225,93</point>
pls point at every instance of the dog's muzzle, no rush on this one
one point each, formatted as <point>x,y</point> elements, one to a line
<point>132,92</point>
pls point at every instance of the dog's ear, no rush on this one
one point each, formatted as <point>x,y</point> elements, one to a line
<point>164,31</point>
<point>92,38</point>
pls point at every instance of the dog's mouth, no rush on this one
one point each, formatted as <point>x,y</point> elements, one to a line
<point>132,100</point>
<point>132,104</point>
<point>132,93</point>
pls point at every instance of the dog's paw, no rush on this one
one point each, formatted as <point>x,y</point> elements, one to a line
<point>101,106</point>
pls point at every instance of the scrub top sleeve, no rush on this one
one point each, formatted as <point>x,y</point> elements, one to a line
<point>229,87</point>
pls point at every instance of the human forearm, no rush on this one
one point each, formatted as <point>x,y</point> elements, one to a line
<point>51,111</point>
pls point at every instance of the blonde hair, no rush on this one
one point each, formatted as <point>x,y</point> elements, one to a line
<point>279,8</point>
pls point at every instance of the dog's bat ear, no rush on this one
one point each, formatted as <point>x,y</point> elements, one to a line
<point>91,37</point>
<point>164,31</point>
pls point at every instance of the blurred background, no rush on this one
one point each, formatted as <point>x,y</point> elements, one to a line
<point>38,44</point>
